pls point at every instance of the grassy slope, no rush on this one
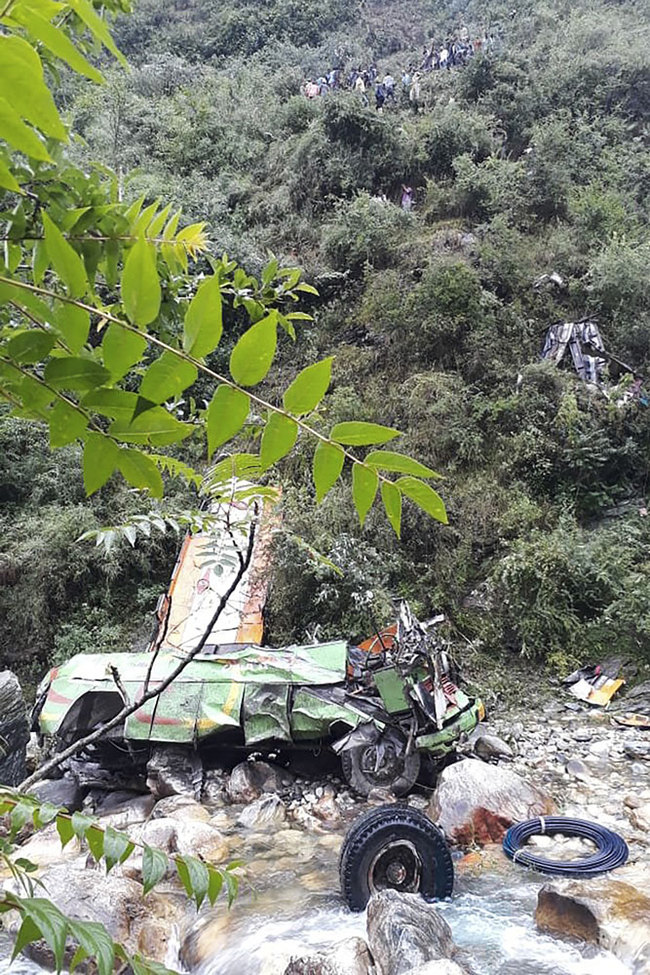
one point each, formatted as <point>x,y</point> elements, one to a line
<point>532,161</point>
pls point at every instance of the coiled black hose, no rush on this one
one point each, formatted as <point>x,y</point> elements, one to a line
<point>612,849</point>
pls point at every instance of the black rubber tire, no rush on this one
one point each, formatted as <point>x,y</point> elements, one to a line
<point>363,784</point>
<point>376,831</point>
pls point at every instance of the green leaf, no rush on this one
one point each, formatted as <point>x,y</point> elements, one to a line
<point>194,877</point>
<point>215,884</point>
<point>20,136</point>
<point>75,372</point>
<point>64,829</point>
<point>44,814</point>
<point>167,378</point>
<point>21,74</point>
<point>354,433</point>
<point>328,464</point>
<point>278,438</point>
<point>227,414</point>
<point>232,885</point>
<point>154,867</point>
<point>78,958</point>
<point>116,403</point>
<point>53,925</point>
<point>28,932</point>
<point>204,319</point>
<point>100,460</point>
<point>251,358</point>
<point>7,180</point>
<point>95,940</point>
<point>140,285</point>
<point>308,388</point>
<point>140,471</point>
<point>156,427</point>
<point>74,325</point>
<point>364,489</point>
<point>97,26</point>
<point>64,259</point>
<point>66,424</point>
<point>388,460</point>
<point>95,841</point>
<point>392,499</point>
<point>122,350</point>
<point>30,346</point>
<point>117,847</point>
<point>425,497</point>
<point>22,813</point>
<point>55,41</point>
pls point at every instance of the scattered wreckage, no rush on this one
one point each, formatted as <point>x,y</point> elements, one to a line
<point>382,706</point>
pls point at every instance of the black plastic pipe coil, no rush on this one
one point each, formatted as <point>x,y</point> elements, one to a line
<point>612,849</point>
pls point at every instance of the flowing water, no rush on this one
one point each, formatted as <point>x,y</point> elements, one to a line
<point>296,906</point>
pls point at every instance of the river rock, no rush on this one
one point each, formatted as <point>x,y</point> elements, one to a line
<point>180,807</point>
<point>249,780</point>
<point>214,787</point>
<point>327,810</point>
<point>64,792</point>
<point>640,817</point>
<point>578,770</point>
<point>174,770</point>
<point>134,810</point>
<point>350,957</point>
<point>44,848</point>
<point>475,803</point>
<point>610,913</point>
<point>268,812</point>
<point>637,750</point>
<point>201,840</point>
<point>404,932</point>
<point>160,833</point>
<point>441,966</point>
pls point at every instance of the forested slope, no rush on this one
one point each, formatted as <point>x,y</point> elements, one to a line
<point>530,160</point>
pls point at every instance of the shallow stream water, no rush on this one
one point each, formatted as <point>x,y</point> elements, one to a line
<point>290,904</point>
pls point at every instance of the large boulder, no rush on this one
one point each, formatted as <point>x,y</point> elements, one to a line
<point>404,932</point>
<point>249,780</point>
<point>64,792</point>
<point>14,730</point>
<point>349,957</point>
<point>602,911</point>
<point>475,803</point>
<point>174,770</point>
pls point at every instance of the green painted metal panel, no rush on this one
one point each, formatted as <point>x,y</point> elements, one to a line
<point>187,712</point>
<point>443,741</point>
<point>266,712</point>
<point>311,717</point>
<point>393,690</point>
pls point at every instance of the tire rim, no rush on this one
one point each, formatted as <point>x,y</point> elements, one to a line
<point>381,766</point>
<point>397,866</point>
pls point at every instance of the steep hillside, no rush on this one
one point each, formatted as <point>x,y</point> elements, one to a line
<point>530,159</point>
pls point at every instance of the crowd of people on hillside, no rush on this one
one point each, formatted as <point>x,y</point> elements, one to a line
<point>367,82</point>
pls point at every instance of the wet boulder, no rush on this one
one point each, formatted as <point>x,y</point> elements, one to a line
<point>65,792</point>
<point>267,812</point>
<point>201,840</point>
<point>476,803</point>
<point>602,911</point>
<point>14,730</point>
<point>349,957</point>
<point>181,808</point>
<point>404,933</point>
<point>174,770</point>
<point>135,810</point>
<point>249,780</point>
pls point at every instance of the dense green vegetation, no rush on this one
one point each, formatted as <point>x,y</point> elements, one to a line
<point>532,160</point>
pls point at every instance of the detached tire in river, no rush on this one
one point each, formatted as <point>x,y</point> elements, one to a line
<point>381,763</point>
<point>394,847</point>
